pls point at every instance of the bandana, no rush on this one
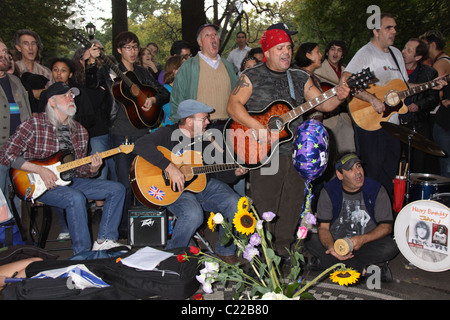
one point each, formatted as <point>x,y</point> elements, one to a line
<point>272,37</point>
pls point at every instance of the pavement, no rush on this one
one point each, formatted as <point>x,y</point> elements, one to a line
<point>408,283</point>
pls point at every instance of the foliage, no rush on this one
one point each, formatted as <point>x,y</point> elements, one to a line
<point>322,21</point>
<point>46,17</point>
<point>254,243</point>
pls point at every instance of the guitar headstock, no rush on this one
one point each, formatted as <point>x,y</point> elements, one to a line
<point>126,148</point>
<point>77,35</point>
<point>360,80</point>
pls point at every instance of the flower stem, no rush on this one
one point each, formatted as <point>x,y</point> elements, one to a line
<point>309,284</point>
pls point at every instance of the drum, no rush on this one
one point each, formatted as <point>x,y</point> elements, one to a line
<point>424,185</point>
<point>421,233</point>
<point>443,198</point>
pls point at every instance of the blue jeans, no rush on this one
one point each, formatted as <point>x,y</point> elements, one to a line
<point>73,199</point>
<point>442,138</point>
<point>217,197</point>
<point>100,144</point>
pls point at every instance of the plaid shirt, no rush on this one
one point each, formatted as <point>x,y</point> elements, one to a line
<point>35,139</point>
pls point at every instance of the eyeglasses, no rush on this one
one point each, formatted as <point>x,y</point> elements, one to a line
<point>69,94</point>
<point>201,119</point>
<point>129,48</point>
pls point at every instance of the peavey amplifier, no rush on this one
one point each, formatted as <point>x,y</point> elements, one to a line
<point>147,226</point>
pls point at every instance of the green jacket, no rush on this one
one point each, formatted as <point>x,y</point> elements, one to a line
<point>185,85</point>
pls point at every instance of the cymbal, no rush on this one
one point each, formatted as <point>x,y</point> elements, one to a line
<point>417,140</point>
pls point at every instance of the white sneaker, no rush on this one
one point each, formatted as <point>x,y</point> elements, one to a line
<point>106,245</point>
<point>63,236</point>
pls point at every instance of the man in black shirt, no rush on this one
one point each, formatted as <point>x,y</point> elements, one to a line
<point>216,197</point>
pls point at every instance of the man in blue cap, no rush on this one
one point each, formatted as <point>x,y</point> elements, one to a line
<point>357,208</point>
<point>45,135</point>
<point>188,134</point>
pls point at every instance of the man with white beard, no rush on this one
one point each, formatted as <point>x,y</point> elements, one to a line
<point>43,137</point>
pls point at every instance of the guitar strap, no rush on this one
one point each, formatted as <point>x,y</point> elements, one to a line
<point>398,66</point>
<point>291,86</point>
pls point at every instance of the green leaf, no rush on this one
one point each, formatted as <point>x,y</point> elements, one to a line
<point>290,290</point>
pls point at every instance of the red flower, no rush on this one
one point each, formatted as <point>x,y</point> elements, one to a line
<point>194,250</point>
<point>182,257</point>
<point>198,296</point>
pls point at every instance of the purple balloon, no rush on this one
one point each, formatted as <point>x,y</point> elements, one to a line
<point>310,149</point>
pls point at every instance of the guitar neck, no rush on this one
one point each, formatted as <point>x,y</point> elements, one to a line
<point>311,104</point>
<point>421,87</point>
<point>116,69</point>
<point>212,168</point>
<point>80,162</point>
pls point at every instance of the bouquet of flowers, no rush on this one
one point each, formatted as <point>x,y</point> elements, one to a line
<point>263,279</point>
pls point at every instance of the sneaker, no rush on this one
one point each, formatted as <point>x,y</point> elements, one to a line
<point>63,236</point>
<point>106,245</point>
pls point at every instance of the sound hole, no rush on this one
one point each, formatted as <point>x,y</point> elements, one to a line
<point>276,124</point>
<point>391,98</point>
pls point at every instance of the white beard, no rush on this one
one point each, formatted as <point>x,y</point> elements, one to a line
<point>66,110</point>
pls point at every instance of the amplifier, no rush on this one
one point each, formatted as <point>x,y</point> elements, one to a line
<point>147,226</point>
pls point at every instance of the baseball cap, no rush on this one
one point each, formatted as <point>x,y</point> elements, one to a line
<point>347,161</point>
<point>60,88</point>
<point>203,26</point>
<point>190,107</point>
<point>282,26</point>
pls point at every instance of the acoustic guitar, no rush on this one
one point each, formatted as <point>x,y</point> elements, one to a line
<point>29,186</point>
<point>251,154</point>
<point>153,187</point>
<point>130,92</point>
<point>393,94</point>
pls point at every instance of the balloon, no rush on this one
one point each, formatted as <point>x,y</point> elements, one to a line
<point>310,156</point>
<point>310,149</point>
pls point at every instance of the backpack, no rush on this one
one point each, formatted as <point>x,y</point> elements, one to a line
<point>10,234</point>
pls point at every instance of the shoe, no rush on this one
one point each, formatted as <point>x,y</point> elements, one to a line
<point>313,264</point>
<point>63,236</point>
<point>106,245</point>
<point>386,274</point>
<point>229,259</point>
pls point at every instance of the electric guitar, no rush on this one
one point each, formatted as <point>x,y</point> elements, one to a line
<point>153,187</point>
<point>251,154</point>
<point>393,94</point>
<point>130,92</point>
<point>29,186</point>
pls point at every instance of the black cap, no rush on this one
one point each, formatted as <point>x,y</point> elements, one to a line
<point>60,88</point>
<point>347,161</point>
<point>282,26</point>
<point>205,26</point>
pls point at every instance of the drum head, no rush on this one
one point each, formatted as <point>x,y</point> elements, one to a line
<point>421,234</point>
<point>428,179</point>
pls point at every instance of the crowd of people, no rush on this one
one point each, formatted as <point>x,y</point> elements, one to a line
<point>77,105</point>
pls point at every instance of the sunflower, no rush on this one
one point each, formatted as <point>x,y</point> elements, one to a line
<point>243,204</point>
<point>345,276</point>
<point>244,222</point>
<point>211,223</point>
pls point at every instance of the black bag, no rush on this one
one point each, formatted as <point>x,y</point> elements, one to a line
<point>21,252</point>
<point>173,280</point>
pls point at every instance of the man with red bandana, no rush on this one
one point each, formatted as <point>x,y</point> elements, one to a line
<point>282,191</point>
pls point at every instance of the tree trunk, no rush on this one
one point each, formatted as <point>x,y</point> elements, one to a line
<point>192,17</point>
<point>120,21</point>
